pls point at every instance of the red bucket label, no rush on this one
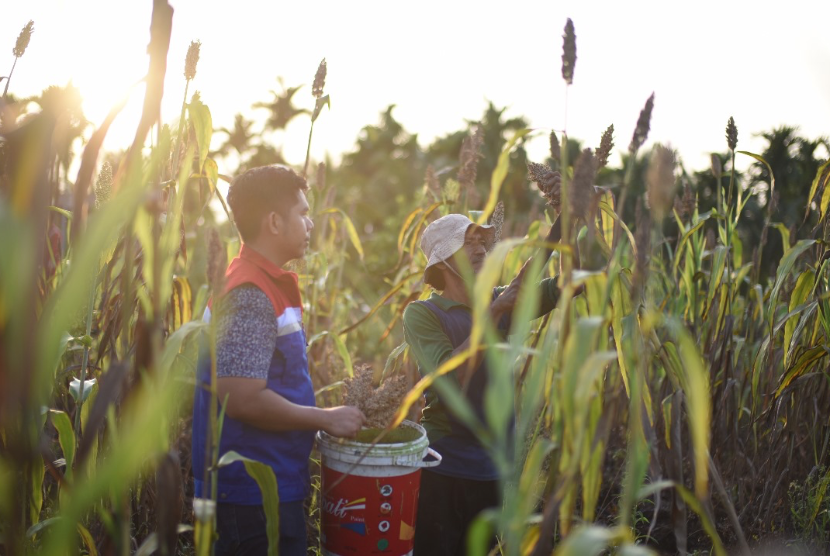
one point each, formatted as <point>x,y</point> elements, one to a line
<point>369,515</point>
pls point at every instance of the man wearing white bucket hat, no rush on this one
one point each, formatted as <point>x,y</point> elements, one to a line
<point>436,329</point>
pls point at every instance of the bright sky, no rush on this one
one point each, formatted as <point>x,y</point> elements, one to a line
<point>764,62</point>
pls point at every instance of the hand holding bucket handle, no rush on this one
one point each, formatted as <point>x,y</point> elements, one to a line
<point>433,462</point>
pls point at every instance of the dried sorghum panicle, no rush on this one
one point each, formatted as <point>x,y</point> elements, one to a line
<point>555,149</point>
<point>568,52</point>
<point>321,176</point>
<point>660,181</point>
<point>731,134</point>
<point>470,153</point>
<point>643,123</point>
<point>23,39</point>
<point>319,80</point>
<point>582,190</point>
<point>538,173</point>
<point>497,220</point>
<point>685,204</point>
<point>605,146</point>
<point>103,185</point>
<point>192,59</point>
<point>217,261</point>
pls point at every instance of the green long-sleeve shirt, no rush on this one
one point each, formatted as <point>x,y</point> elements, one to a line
<point>431,347</point>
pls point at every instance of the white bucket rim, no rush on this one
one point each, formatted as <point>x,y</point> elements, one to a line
<point>410,454</point>
<point>344,444</point>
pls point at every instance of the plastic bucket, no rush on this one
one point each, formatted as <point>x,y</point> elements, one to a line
<point>372,509</point>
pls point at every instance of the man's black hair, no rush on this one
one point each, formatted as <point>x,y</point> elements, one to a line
<point>259,191</point>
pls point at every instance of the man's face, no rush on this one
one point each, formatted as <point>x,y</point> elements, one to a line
<point>295,231</point>
<point>474,250</point>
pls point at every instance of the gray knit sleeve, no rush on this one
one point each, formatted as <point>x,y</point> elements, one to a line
<point>246,333</point>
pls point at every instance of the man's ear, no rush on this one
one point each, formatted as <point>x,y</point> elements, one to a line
<point>272,223</point>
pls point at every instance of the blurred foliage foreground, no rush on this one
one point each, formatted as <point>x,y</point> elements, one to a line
<point>676,399</point>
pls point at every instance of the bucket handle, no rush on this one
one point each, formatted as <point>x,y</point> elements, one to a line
<point>436,459</point>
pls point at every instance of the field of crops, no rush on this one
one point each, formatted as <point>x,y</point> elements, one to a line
<point>677,400</point>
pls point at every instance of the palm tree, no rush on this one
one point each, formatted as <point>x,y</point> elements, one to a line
<point>239,137</point>
<point>263,155</point>
<point>281,107</point>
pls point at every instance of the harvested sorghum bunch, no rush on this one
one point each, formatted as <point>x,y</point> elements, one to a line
<point>319,80</point>
<point>191,59</point>
<point>731,134</point>
<point>605,146</point>
<point>643,123</point>
<point>568,52</point>
<point>377,404</point>
<point>660,181</point>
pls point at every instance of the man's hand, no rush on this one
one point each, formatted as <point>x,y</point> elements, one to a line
<point>505,302</point>
<point>343,421</point>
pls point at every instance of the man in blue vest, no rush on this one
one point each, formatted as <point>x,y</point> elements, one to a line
<point>262,370</point>
<point>437,329</point>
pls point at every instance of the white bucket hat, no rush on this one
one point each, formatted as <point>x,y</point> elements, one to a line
<point>445,236</point>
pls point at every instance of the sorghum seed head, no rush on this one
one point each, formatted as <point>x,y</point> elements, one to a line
<point>660,181</point>
<point>582,190</point>
<point>568,52</point>
<point>537,171</point>
<point>605,146</point>
<point>470,153</point>
<point>319,80</point>
<point>731,134</point>
<point>23,39</point>
<point>540,173</point>
<point>555,149</point>
<point>103,185</point>
<point>192,59</point>
<point>643,123</point>
<point>497,220</point>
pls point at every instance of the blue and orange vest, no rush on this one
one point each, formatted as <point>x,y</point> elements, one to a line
<point>286,452</point>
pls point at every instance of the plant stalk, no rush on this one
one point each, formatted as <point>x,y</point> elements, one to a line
<point>308,150</point>
<point>85,361</point>
<point>9,78</point>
